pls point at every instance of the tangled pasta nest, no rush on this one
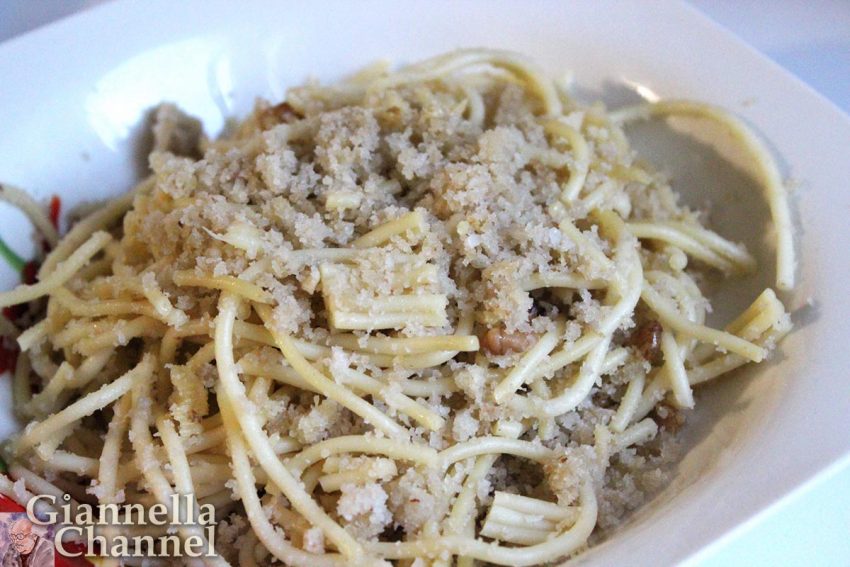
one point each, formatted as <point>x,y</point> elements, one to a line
<point>442,313</point>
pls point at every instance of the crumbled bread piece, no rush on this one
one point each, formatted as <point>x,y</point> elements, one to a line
<point>364,508</point>
<point>176,132</point>
<point>314,540</point>
<point>416,498</point>
<point>464,426</point>
<point>315,425</point>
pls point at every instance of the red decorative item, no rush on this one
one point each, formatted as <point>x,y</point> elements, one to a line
<point>8,346</point>
<point>62,561</point>
<point>29,275</point>
<point>55,208</point>
<point>8,355</point>
<point>9,505</point>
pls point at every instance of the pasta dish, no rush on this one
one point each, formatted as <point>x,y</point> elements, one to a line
<point>434,316</point>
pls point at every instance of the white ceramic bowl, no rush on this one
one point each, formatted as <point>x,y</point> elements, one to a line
<point>74,94</point>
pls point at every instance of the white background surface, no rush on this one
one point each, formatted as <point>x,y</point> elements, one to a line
<point>812,40</point>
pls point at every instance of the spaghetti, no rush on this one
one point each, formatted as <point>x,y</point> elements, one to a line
<point>380,311</point>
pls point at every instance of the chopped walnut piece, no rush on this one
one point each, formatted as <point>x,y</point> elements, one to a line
<point>668,418</point>
<point>647,341</point>
<point>498,341</point>
<point>278,114</point>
